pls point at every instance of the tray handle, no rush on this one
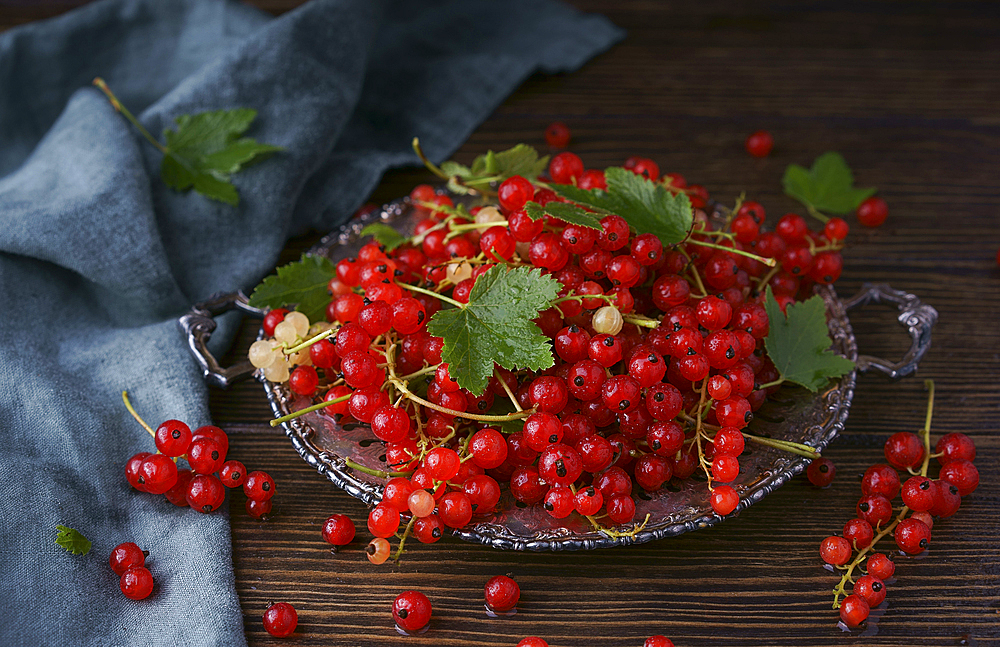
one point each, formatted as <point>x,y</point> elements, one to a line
<point>198,325</point>
<point>918,318</point>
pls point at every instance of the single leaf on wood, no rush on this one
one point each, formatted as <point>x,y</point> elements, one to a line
<point>302,283</point>
<point>496,326</point>
<point>827,186</point>
<point>799,343</point>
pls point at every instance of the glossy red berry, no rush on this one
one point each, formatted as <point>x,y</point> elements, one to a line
<point>658,641</point>
<point>904,449</point>
<point>280,619</point>
<point>912,536</point>
<point>272,319</point>
<point>258,509</point>
<point>205,455</point>
<point>724,500</point>
<point>514,193</point>
<point>919,493</point>
<point>173,438</point>
<point>338,530</point>
<point>532,641</point>
<point>501,593</point>
<point>205,493</point>
<point>132,474</point>
<point>871,588</point>
<point>835,550</point>
<point>125,556</point>
<point>233,474</point>
<point>760,143</point>
<point>259,486</point>
<point>455,509</point>
<point>428,529</point>
<point>821,472</point>
<point>488,448</point>
<point>873,212</point>
<point>880,479</point>
<point>854,610</point>
<point>880,566</point>
<point>411,610</point>
<point>565,167</point>
<point>136,583</point>
<point>836,229</point>
<point>962,474</point>
<point>858,533</point>
<point>955,446</point>
<point>157,473</point>
<point>875,509</point>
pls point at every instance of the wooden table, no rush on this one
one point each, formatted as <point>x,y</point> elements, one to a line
<point>909,93</point>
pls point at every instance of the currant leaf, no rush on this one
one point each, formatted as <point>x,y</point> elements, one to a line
<point>73,541</point>
<point>385,235</point>
<point>505,408</point>
<point>646,205</point>
<point>302,283</point>
<point>496,326</point>
<point>496,167</point>
<point>799,343</point>
<point>207,148</point>
<point>827,186</point>
<point>564,211</point>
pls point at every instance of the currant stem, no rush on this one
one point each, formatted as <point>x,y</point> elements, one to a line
<point>433,168</point>
<point>128,405</point>
<point>770,262</point>
<point>764,280</point>
<point>784,445</point>
<point>373,472</point>
<point>777,382</point>
<point>414,288</point>
<point>309,342</point>
<point>99,82</point>
<point>510,394</point>
<point>815,213</point>
<point>694,272</point>
<point>460,414</point>
<point>310,409</point>
<point>423,371</point>
<point>644,322</point>
<point>402,539</point>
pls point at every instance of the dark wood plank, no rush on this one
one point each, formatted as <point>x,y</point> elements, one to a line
<point>908,93</point>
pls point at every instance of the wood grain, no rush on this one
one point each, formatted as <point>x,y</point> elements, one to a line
<point>908,92</point>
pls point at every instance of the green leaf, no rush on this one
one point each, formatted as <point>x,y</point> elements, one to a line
<point>496,326</point>
<point>504,407</point>
<point>385,235</point>
<point>72,541</point>
<point>564,211</point>
<point>207,148</point>
<point>303,283</point>
<point>454,168</point>
<point>646,205</point>
<point>827,186</point>
<point>799,343</point>
<point>521,160</point>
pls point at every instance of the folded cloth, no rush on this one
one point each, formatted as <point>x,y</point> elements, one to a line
<point>98,257</point>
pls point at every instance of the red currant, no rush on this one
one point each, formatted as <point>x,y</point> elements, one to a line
<point>835,550</point>
<point>760,143</point>
<point>853,610</point>
<point>173,438</point>
<point>125,556</point>
<point>872,212</point>
<point>912,536</point>
<point>821,472</point>
<point>557,135</point>
<point>280,619</point>
<point>259,486</point>
<point>502,593</point>
<point>411,610</point>
<point>136,583</point>
<point>338,530</point>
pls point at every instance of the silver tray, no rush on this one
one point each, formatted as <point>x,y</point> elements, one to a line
<point>791,414</point>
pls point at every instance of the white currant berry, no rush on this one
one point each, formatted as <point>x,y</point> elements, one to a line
<point>607,321</point>
<point>285,332</point>
<point>458,272</point>
<point>262,354</point>
<point>488,214</point>
<point>278,371</point>
<point>300,321</point>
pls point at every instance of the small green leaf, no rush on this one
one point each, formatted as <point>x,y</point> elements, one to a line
<point>454,168</point>
<point>207,148</point>
<point>521,160</point>
<point>72,541</point>
<point>648,207</point>
<point>828,186</point>
<point>385,235</point>
<point>496,326</point>
<point>799,343</point>
<point>564,211</point>
<point>302,283</point>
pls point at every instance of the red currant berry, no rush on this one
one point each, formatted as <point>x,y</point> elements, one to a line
<point>233,474</point>
<point>547,251</point>
<point>428,529</point>
<point>411,610</point>
<point>383,520</point>
<point>919,493</point>
<point>725,468</point>
<point>376,318</point>
<point>560,464</point>
<point>904,450</point>
<point>760,143</point>
<point>713,313</point>
<point>557,135</point>
<point>605,349</point>
<point>272,319</point>
<point>854,610</point>
<point>953,447</point>
<point>280,619</point>
<point>871,589</point>
<point>205,493</point>
<point>455,509</point>
<point>125,556</point>
<point>514,193</point>
<point>875,509</point>
<point>664,401</point>
<point>526,486</point>
<point>565,167</point>
<point>502,593</point>
<point>614,233</point>
<point>157,473</point>
<point>532,641</point>
<point>947,500</point>
<point>652,471</point>
<point>621,393</point>
<point>912,536</point>
<point>620,508</point>
<point>647,249</point>
<point>880,566</point>
<point>173,438</point>
<point>178,494</point>
<point>205,456</point>
<point>724,500</point>
<point>132,474</point>
<point>559,502</point>
<point>880,479</point>
<point>872,212</point>
<point>821,472</point>
<point>728,441</point>
<point>549,394</point>
<point>960,473</point>
<point>136,583</point>
<point>338,530</point>
<point>259,486</point>
<point>658,641</point>
<point>835,550</point>
<point>258,509</point>
<point>488,447</point>
<point>859,533</point>
<point>836,229</point>
<point>483,492</point>
<point>391,424</point>
<point>734,412</point>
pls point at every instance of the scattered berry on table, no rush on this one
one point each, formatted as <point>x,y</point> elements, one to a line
<point>502,593</point>
<point>873,212</point>
<point>557,135</point>
<point>280,619</point>
<point>760,143</point>
<point>411,610</point>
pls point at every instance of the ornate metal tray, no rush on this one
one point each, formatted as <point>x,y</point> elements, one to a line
<point>792,414</point>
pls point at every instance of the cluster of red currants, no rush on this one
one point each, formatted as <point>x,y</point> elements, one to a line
<point>923,499</point>
<point>128,561</point>
<point>203,486</point>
